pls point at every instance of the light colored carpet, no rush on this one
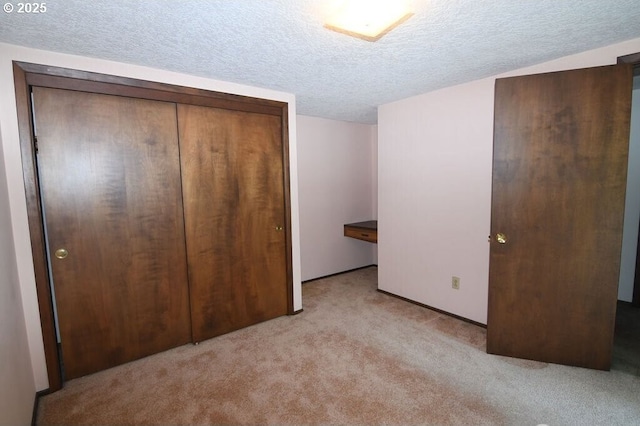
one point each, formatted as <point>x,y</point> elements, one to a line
<point>354,356</point>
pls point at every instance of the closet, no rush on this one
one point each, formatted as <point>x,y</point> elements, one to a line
<point>110,187</point>
<point>160,214</point>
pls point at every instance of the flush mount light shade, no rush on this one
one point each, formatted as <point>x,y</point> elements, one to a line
<point>368,19</point>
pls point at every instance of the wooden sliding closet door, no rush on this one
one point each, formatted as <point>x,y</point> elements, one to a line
<point>110,180</point>
<point>232,177</point>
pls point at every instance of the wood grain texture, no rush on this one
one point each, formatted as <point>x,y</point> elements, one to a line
<point>64,78</point>
<point>287,209</point>
<point>27,75</point>
<point>361,234</point>
<point>559,178</point>
<point>110,175</point>
<point>232,177</point>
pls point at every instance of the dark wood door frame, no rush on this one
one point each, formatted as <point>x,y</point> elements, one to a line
<point>634,59</point>
<point>27,75</point>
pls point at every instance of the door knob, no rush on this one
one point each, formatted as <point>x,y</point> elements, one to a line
<point>61,253</point>
<point>501,238</point>
<point>279,228</point>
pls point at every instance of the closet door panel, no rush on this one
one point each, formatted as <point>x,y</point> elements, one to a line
<point>233,186</point>
<point>110,180</point>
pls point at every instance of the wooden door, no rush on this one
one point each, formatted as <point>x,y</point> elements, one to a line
<point>232,178</point>
<point>559,177</point>
<point>110,179</point>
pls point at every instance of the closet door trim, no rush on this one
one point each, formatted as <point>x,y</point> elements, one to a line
<point>27,75</point>
<point>63,78</point>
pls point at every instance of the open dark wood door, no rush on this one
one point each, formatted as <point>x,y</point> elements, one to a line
<point>559,176</point>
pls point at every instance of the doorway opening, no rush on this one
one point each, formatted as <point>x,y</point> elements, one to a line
<point>626,348</point>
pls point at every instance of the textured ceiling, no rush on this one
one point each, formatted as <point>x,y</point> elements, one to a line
<point>282,45</point>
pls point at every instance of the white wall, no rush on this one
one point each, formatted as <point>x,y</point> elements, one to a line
<point>17,387</point>
<point>434,188</point>
<point>335,172</point>
<point>12,162</point>
<point>632,204</point>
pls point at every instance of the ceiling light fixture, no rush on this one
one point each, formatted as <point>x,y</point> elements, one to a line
<point>368,19</point>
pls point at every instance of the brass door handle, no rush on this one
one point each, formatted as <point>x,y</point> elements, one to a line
<point>279,228</point>
<point>61,253</point>
<point>501,238</point>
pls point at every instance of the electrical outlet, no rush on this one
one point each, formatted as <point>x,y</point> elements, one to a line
<point>455,283</point>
